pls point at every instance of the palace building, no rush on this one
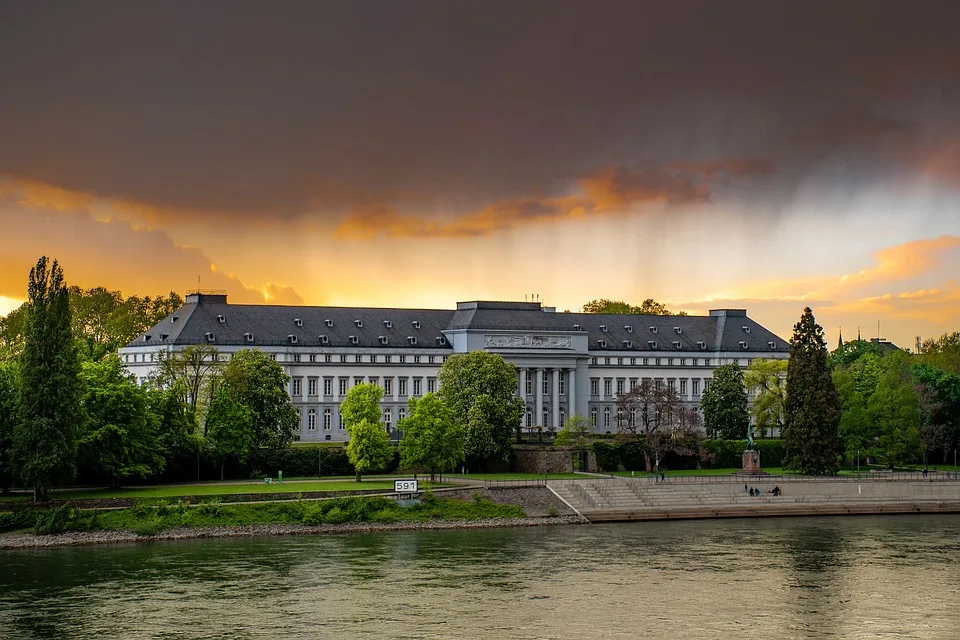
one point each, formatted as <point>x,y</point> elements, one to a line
<point>568,363</point>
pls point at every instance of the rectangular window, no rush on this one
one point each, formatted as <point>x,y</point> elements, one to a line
<point>696,386</point>
<point>328,358</point>
<point>593,416</point>
<point>546,418</point>
<point>594,387</point>
<point>342,427</point>
<point>297,384</point>
<point>606,417</point>
<point>328,386</point>
<point>402,382</point>
<point>430,359</point>
<point>416,359</point>
<point>313,357</point>
<point>529,389</point>
<point>431,385</point>
<point>529,419</point>
<point>401,414</point>
<point>706,385</point>
<point>671,384</point>
<point>312,420</point>
<point>658,362</point>
<point>326,420</point>
<point>357,380</point>
<point>546,385</point>
<point>645,362</point>
<point>388,386</point>
<point>619,386</point>
<point>312,386</point>
<point>357,358</point>
<point>607,386</point>
<point>387,419</point>
<point>343,357</point>
<point>375,380</point>
<point>343,386</point>
<point>296,357</point>
<point>416,386</point>
<point>683,387</point>
<point>563,416</point>
<point>563,384</point>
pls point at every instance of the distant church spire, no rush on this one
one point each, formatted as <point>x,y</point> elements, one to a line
<point>840,343</point>
<point>858,335</point>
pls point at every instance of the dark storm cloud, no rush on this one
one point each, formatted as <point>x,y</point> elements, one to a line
<point>290,108</point>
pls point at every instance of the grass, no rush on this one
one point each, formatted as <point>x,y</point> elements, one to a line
<point>518,476</point>
<point>149,519</point>
<point>774,471</point>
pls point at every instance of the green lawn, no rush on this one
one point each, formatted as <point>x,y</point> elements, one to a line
<point>519,476</point>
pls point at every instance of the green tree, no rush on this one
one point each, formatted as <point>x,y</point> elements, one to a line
<point>176,428</point>
<point>576,431</point>
<point>13,331</point>
<point>9,418</point>
<point>766,379</point>
<point>895,410</point>
<point>852,351</point>
<point>480,388</point>
<point>252,379</point>
<point>119,437</point>
<point>938,394</point>
<point>432,439</point>
<point>44,442</point>
<point>724,404</point>
<point>856,429</point>
<point>192,371</point>
<point>652,415</point>
<point>229,429</point>
<point>942,352</point>
<point>648,307</point>
<point>811,429</point>
<point>369,446</point>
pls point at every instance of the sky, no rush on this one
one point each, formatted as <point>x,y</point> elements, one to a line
<point>708,154</point>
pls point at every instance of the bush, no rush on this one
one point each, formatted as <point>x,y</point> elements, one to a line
<point>552,511</point>
<point>53,521</point>
<point>147,528</point>
<point>729,453</point>
<point>210,507</point>
<point>336,515</point>
<point>608,456</point>
<point>313,515</point>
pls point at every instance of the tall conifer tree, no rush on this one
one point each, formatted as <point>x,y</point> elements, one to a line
<point>44,440</point>
<point>811,429</point>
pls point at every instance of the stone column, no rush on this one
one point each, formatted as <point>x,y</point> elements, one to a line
<point>555,403</point>
<point>572,392</point>
<point>394,389</point>
<point>539,393</point>
<point>600,388</point>
<point>523,385</point>
<point>336,389</point>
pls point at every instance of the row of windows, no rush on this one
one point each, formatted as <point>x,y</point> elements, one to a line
<point>327,415</point>
<point>372,358</point>
<point>622,385</point>
<point>296,388</point>
<point>547,382</point>
<point>670,362</point>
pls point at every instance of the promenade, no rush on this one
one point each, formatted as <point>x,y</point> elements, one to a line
<point>600,499</point>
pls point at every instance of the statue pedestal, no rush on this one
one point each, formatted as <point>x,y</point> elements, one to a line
<point>751,462</point>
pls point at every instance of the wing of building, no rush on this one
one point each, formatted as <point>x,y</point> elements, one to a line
<point>569,363</point>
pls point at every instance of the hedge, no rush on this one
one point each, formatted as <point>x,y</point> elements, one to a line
<point>721,454</point>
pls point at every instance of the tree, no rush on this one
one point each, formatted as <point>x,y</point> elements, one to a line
<point>480,388</point>
<point>44,442</point>
<point>653,415</point>
<point>938,395</point>
<point>176,427</point>
<point>369,446</point>
<point>252,379</point>
<point>895,411</point>
<point>193,371</point>
<point>850,352</point>
<point>857,431</point>
<point>724,404</point>
<point>229,429</point>
<point>13,328</point>
<point>576,431</point>
<point>432,438</point>
<point>766,379</point>
<point>9,417</point>
<point>648,307</point>
<point>812,413</point>
<point>119,438</point>
<point>942,352</point>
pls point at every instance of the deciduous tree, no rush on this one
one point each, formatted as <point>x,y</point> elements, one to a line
<point>432,439</point>
<point>724,404</point>
<point>767,380</point>
<point>229,429</point>
<point>480,388</point>
<point>369,446</point>
<point>576,431</point>
<point>9,418</point>
<point>811,429</point>
<point>653,415</point>
<point>44,442</point>
<point>252,379</point>
<point>648,306</point>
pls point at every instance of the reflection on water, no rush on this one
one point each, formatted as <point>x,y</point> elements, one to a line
<point>871,577</point>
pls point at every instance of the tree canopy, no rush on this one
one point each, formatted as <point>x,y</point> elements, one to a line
<point>766,379</point>
<point>576,431</point>
<point>724,404</point>
<point>811,429</point>
<point>480,388</point>
<point>369,446</point>
<point>9,418</point>
<point>253,380</point>
<point>44,441</point>
<point>653,414</point>
<point>648,306</point>
<point>432,439</point>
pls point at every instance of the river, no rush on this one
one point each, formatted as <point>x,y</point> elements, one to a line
<point>840,577</point>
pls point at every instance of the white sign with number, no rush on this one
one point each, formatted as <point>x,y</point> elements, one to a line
<point>405,486</point>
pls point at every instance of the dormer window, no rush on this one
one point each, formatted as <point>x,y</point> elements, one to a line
<point>146,338</point>
<point>359,323</point>
<point>174,319</point>
<point>388,324</point>
<point>678,330</point>
<point>577,327</point>
<point>702,345</point>
<point>382,339</point>
<point>602,343</point>
<point>745,328</point>
<point>298,322</point>
<point>412,339</point>
<point>653,330</point>
<point>324,339</point>
<point>441,340</point>
<point>416,324</point>
<point>328,322</point>
<point>248,337</point>
<point>651,344</point>
<point>743,344</point>
<point>627,344</point>
<point>292,339</point>
<point>772,345</point>
<point>354,340</point>
<point>164,336</point>
<point>209,336</point>
<point>676,344</point>
<point>221,318</point>
<point>628,327</point>
<point>603,328</point>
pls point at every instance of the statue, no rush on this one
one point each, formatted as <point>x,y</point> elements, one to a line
<point>749,437</point>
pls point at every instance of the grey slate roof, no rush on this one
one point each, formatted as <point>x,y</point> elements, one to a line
<point>274,325</point>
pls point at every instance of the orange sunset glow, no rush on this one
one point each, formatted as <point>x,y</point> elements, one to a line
<point>390,155</point>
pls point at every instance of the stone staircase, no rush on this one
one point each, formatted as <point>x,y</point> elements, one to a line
<point>606,499</point>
